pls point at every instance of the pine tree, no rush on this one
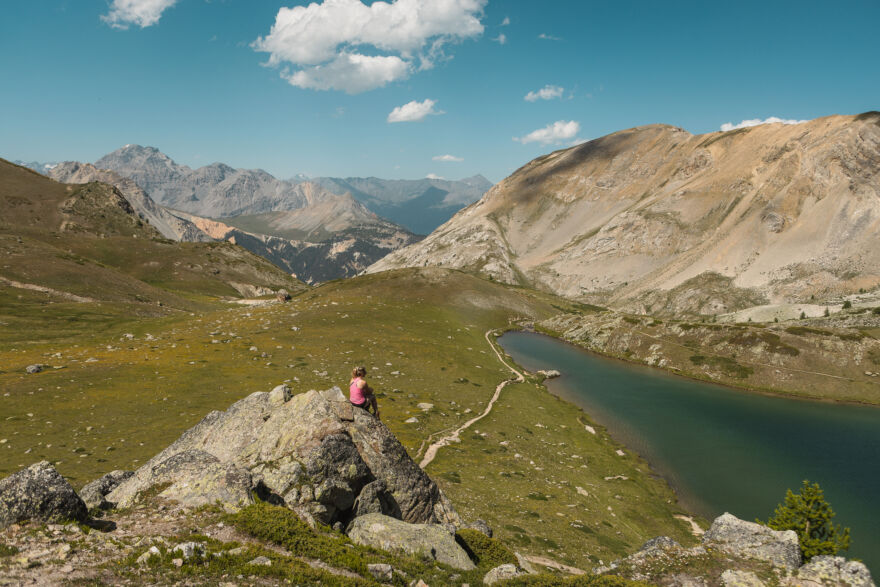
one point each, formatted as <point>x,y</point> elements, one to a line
<point>809,515</point>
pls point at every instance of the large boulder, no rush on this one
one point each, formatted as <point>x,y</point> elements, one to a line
<point>39,493</point>
<point>93,494</point>
<point>748,539</point>
<point>311,452</point>
<point>387,533</point>
<point>833,570</point>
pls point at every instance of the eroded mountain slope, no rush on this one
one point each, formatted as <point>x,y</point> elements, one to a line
<point>654,218</point>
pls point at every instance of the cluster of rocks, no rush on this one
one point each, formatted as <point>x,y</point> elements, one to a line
<point>777,552</point>
<point>311,452</point>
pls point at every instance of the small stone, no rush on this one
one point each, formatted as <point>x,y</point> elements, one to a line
<point>412,420</point>
<point>145,558</point>
<point>177,562</point>
<point>190,549</point>
<point>31,369</point>
<point>262,561</point>
<point>424,406</point>
<point>502,573</point>
<point>381,572</point>
<point>733,578</point>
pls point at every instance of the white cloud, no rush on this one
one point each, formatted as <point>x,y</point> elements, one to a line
<point>447,158</point>
<point>433,176</point>
<point>350,72</point>
<point>506,21</point>
<point>756,121</point>
<point>558,132</point>
<point>413,111</point>
<point>547,37</point>
<point>500,39</point>
<point>336,34</point>
<point>142,13</point>
<point>548,92</point>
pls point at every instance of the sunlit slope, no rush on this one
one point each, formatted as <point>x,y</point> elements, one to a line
<point>656,219</point>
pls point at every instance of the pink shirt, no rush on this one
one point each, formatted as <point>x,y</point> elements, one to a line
<point>356,394</point>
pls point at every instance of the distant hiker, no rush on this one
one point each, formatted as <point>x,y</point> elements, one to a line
<point>359,393</point>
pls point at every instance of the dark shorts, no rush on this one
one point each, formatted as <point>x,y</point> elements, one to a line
<point>362,406</point>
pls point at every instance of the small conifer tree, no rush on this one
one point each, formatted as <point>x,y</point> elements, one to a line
<point>827,313</point>
<point>810,516</point>
<point>847,305</point>
<point>803,315</point>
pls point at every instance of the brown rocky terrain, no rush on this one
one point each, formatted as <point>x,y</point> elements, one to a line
<point>654,219</point>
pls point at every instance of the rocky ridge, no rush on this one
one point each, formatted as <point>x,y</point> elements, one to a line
<point>654,219</point>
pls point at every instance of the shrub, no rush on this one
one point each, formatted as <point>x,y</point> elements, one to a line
<point>484,551</point>
<point>282,526</point>
<point>810,516</point>
<point>847,305</point>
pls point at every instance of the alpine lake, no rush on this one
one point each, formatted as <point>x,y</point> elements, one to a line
<point>721,449</point>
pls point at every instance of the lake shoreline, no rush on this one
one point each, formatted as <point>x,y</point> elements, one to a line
<point>694,377</point>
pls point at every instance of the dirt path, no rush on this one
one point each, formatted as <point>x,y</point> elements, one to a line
<point>454,436</point>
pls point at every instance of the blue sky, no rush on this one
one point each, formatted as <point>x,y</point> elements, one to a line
<point>209,81</point>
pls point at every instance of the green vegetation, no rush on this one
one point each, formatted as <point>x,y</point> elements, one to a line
<point>724,364</point>
<point>6,550</point>
<point>283,527</point>
<point>120,399</point>
<point>771,341</point>
<point>550,580</point>
<point>846,305</point>
<point>484,551</point>
<point>810,516</point>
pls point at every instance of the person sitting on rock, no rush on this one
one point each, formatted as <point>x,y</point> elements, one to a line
<point>359,393</point>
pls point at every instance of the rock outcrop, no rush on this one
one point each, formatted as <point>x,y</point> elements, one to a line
<point>39,493</point>
<point>833,570</point>
<point>748,539</point>
<point>93,494</point>
<point>311,452</point>
<point>736,553</point>
<point>431,540</point>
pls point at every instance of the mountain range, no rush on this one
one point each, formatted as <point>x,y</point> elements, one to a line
<point>219,191</point>
<point>334,235</point>
<point>655,219</point>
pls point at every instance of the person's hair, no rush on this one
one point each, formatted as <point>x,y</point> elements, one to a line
<point>359,372</point>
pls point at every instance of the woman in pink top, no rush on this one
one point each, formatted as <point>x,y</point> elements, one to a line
<point>359,393</point>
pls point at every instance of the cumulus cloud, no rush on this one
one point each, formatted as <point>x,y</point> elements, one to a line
<point>447,158</point>
<point>366,47</point>
<point>558,132</point>
<point>756,121</point>
<point>349,72</point>
<point>142,13</point>
<point>433,176</point>
<point>500,39</point>
<point>413,111</point>
<point>506,21</point>
<point>546,93</point>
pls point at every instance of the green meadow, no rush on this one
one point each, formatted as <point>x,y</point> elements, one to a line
<point>116,389</point>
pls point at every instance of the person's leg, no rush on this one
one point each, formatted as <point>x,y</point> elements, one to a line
<point>375,405</point>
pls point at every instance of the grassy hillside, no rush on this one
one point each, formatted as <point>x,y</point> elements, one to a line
<point>67,245</point>
<point>115,395</point>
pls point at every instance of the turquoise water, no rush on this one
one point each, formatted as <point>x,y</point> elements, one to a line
<point>723,449</point>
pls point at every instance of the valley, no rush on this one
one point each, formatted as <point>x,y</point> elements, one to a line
<point>126,322</point>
